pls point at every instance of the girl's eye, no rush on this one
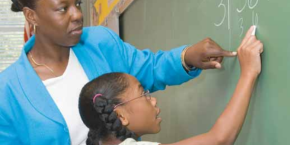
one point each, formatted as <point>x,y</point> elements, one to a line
<point>62,9</point>
<point>79,3</point>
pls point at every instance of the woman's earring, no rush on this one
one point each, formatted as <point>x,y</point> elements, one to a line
<point>34,29</point>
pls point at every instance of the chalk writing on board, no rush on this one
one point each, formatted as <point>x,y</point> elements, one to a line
<point>252,4</point>
<point>241,23</point>
<point>255,17</point>
<point>226,12</point>
<point>226,6</point>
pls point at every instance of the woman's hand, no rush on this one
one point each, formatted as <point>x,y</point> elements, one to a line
<point>206,55</point>
<point>249,54</point>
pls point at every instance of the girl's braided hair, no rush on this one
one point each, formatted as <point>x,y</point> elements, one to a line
<point>98,113</point>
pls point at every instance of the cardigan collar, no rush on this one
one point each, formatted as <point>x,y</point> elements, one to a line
<point>35,90</point>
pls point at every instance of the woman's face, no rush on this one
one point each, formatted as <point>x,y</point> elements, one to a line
<point>141,113</point>
<point>59,21</point>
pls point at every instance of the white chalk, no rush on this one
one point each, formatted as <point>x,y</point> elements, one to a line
<point>254,31</point>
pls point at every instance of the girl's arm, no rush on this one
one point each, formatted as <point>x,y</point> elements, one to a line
<point>229,124</point>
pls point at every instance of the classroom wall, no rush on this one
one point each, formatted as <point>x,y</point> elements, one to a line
<point>86,9</point>
<point>192,108</point>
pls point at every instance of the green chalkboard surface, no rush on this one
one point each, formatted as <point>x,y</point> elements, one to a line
<point>193,108</point>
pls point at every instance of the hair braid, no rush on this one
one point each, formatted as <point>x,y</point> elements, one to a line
<point>92,138</point>
<point>113,124</point>
<point>98,112</point>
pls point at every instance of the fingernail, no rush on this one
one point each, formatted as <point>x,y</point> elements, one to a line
<point>218,66</point>
<point>234,53</point>
<point>254,30</point>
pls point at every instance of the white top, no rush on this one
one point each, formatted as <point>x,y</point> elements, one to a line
<point>65,92</point>
<point>131,141</point>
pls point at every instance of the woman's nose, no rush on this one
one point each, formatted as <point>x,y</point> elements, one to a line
<point>77,15</point>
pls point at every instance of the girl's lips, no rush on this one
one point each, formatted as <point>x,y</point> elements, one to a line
<point>158,112</point>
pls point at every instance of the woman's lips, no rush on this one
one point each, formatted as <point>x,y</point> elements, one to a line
<point>77,31</point>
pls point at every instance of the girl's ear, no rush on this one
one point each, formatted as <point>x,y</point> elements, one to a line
<point>122,116</point>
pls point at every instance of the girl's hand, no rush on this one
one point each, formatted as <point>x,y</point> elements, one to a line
<point>249,54</point>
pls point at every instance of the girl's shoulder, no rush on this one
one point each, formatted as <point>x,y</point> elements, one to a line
<point>131,141</point>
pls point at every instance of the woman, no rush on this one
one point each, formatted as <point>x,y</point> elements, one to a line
<point>117,110</point>
<point>39,92</point>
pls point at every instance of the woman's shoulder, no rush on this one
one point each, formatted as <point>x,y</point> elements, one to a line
<point>99,34</point>
<point>8,76</point>
<point>131,141</point>
<point>100,29</point>
<point>100,40</point>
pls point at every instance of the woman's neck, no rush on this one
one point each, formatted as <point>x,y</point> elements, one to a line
<point>54,58</point>
<point>47,52</point>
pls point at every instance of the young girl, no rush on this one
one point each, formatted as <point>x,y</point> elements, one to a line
<point>117,110</point>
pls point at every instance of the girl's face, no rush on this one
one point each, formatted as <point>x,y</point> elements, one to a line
<point>139,112</point>
<point>59,21</point>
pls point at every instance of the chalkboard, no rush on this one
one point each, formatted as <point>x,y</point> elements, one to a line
<point>192,108</point>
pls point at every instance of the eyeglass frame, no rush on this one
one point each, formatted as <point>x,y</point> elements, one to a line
<point>146,93</point>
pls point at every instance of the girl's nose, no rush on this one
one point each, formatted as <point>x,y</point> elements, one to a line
<point>153,101</point>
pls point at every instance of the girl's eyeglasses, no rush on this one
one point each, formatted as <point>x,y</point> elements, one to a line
<point>146,94</point>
